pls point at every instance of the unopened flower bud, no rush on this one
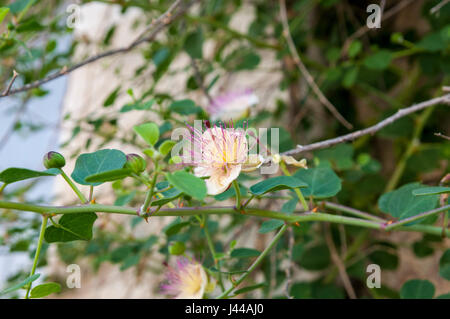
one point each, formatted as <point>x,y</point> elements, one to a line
<point>177,248</point>
<point>54,160</point>
<point>135,163</point>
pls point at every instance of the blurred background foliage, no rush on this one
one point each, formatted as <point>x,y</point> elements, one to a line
<point>367,78</point>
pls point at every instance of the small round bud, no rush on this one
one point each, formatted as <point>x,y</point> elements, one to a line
<point>177,248</point>
<point>54,160</point>
<point>135,163</point>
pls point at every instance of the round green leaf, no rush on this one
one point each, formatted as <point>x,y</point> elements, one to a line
<point>184,107</point>
<point>401,203</point>
<point>194,44</point>
<point>166,147</point>
<point>188,184</point>
<point>444,265</point>
<point>270,225</point>
<point>384,259</point>
<point>149,132</point>
<point>98,162</point>
<point>45,290</point>
<point>315,257</point>
<point>175,227</point>
<point>71,227</point>
<point>322,182</point>
<point>379,60</point>
<point>417,289</point>
<point>275,184</point>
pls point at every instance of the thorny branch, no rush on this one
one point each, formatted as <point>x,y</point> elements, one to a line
<point>371,129</point>
<point>174,12</point>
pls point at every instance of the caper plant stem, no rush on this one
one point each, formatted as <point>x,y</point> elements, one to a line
<point>297,190</point>
<point>73,186</point>
<point>238,195</point>
<point>38,251</point>
<point>412,147</point>
<point>352,211</point>
<point>212,250</point>
<point>248,201</point>
<point>151,191</point>
<point>256,263</point>
<point>225,210</point>
<point>408,220</point>
<point>91,193</point>
<point>2,188</point>
<point>444,225</point>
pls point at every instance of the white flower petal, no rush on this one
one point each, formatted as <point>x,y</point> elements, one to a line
<point>219,180</point>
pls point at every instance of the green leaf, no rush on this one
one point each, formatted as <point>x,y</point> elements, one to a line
<point>433,190</point>
<point>250,288</point>
<point>3,12</point>
<point>188,184</point>
<point>194,44</point>
<point>125,199</point>
<point>214,269</point>
<point>340,156</point>
<point>379,60</point>
<point>355,48</point>
<point>422,249</point>
<point>289,206</point>
<point>444,296</point>
<point>175,227</point>
<point>244,253</point>
<point>184,107</point>
<point>384,259</point>
<point>20,284</point>
<point>275,184</point>
<point>326,291</point>
<point>130,261</point>
<point>444,265</point>
<point>231,192</point>
<point>321,182</point>
<point>149,132</point>
<point>350,77</point>
<point>71,227</point>
<point>301,290</point>
<point>270,225</point>
<point>45,290</point>
<point>166,147</point>
<point>169,195</point>
<point>433,42</point>
<point>138,106</point>
<point>15,174</point>
<point>98,162</point>
<point>19,5</point>
<point>315,257</point>
<point>109,176</point>
<point>417,289</point>
<point>401,203</point>
<point>111,97</point>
